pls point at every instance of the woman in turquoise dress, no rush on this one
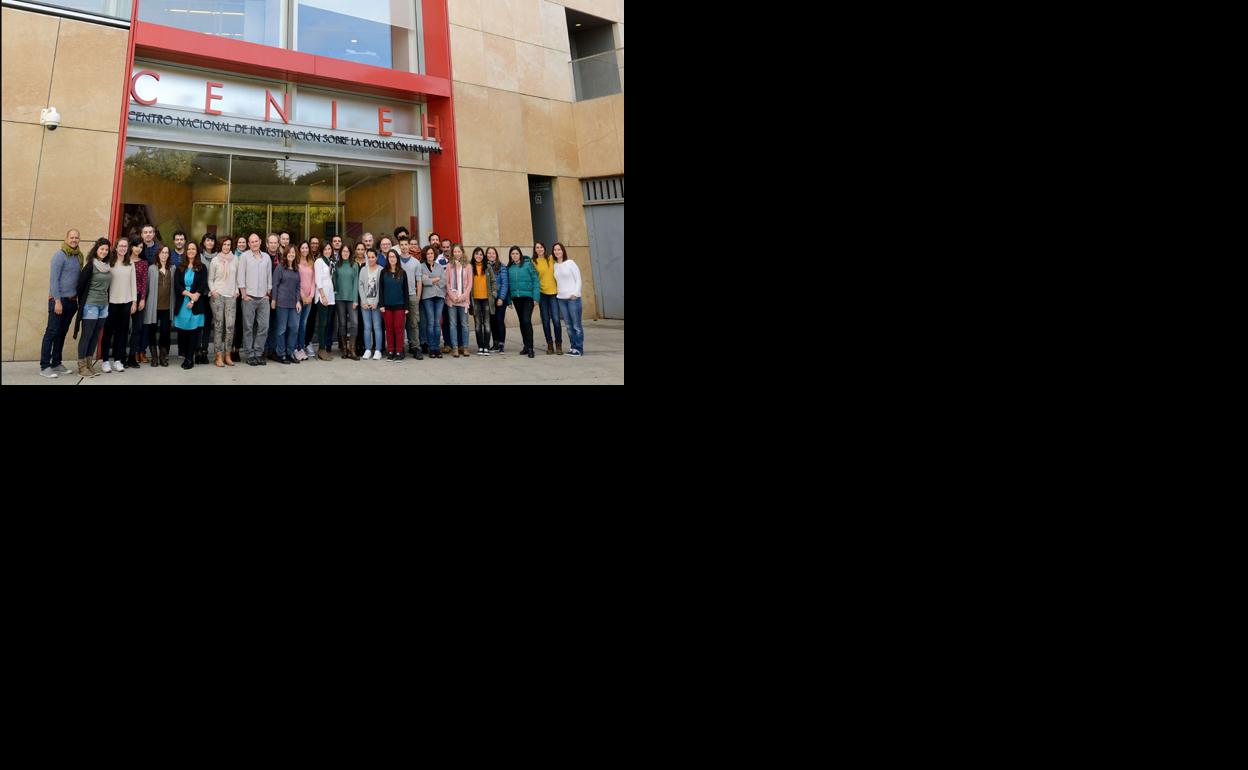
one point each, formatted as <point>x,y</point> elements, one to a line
<point>190,281</point>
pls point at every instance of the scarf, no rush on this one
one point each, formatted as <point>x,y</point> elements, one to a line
<point>75,253</point>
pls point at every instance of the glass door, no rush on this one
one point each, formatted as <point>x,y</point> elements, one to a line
<point>249,218</point>
<point>292,219</point>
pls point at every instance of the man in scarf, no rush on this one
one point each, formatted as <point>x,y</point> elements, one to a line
<point>62,304</point>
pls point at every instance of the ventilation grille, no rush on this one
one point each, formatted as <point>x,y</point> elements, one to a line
<point>606,190</point>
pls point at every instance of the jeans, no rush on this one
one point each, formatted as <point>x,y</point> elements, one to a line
<point>256,323</point>
<point>431,314</point>
<point>524,311</point>
<point>570,312</point>
<point>301,337</point>
<point>137,329</point>
<point>54,335</point>
<point>415,335</point>
<point>286,337</point>
<point>346,321</point>
<point>550,314</point>
<point>394,321</point>
<point>223,323</point>
<point>498,323</point>
<point>115,331</point>
<point>459,326</point>
<point>91,329</point>
<point>481,313</point>
<point>372,321</point>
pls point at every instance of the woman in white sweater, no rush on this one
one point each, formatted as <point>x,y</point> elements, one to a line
<point>568,279</point>
<point>123,301</point>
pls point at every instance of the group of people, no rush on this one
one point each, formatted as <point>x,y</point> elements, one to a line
<point>251,300</point>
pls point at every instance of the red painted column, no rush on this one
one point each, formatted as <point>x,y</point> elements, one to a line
<point>114,217</point>
<point>443,167</point>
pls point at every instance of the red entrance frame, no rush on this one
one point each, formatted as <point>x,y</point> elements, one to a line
<point>184,47</point>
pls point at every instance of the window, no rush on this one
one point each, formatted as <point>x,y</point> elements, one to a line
<point>253,21</point>
<point>116,9</point>
<point>595,71</point>
<point>383,33</point>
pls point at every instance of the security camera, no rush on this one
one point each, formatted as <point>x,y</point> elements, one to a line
<point>49,117</point>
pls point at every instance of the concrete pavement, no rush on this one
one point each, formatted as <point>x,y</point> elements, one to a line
<point>602,364</point>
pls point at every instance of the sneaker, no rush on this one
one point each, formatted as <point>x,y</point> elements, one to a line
<point>261,362</point>
<point>575,353</point>
<point>376,355</point>
<point>60,369</point>
<point>51,375</point>
<point>391,357</point>
<point>294,359</point>
<point>500,350</point>
<point>117,367</point>
<point>107,366</point>
<point>484,352</point>
<point>251,362</point>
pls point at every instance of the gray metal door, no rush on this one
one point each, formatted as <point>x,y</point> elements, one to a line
<point>604,214</point>
<point>606,241</point>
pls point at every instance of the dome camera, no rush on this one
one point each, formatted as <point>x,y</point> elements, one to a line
<point>49,117</point>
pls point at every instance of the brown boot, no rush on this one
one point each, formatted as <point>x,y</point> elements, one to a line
<point>349,354</point>
<point>559,348</point>
<point>321,355</point>
<point>463,352</point>
<point>154,358</point>
<point>550,348</point>
<point>164,356</point>
<point>454,352</point>
<point>84,368</point>
<point>219,362</point>
<point>226,357</point>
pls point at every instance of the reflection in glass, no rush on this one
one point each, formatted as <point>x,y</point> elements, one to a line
<point>377,32</point>
<point>255,21</point>
<point>159,186</point>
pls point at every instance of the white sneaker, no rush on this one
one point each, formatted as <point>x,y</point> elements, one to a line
<point>107,368</point>
<point>117,367</point>
<point>484,352</point>
<point>377,355</point>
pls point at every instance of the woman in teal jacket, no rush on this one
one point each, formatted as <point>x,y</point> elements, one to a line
<point>525,286</point>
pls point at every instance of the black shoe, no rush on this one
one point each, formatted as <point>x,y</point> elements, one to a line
<point>188,363</point>
<point>419,357</point>
<point>234,356</point>
<point>251,362</point>
<point>201,358</point>
<point>261,362</point>
<point>424,348</point>
<point>530,354</point>
<point>283,360</point>
<point>399,356</point>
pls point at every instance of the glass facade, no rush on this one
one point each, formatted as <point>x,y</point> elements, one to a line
<point>219,194</point>
<point>253,21</point>
<point>377,32</point>
<point>117,9</point>
<point>383,33</point>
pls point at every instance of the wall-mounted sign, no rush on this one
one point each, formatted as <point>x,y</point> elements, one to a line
<point>189,100</point>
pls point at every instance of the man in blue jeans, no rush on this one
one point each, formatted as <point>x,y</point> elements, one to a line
<point>62,304</point>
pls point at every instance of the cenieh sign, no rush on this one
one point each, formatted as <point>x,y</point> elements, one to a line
<point>177,98</point>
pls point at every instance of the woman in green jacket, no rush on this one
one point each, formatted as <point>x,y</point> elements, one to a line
<point>525,288</point>
<point>346,300</point>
